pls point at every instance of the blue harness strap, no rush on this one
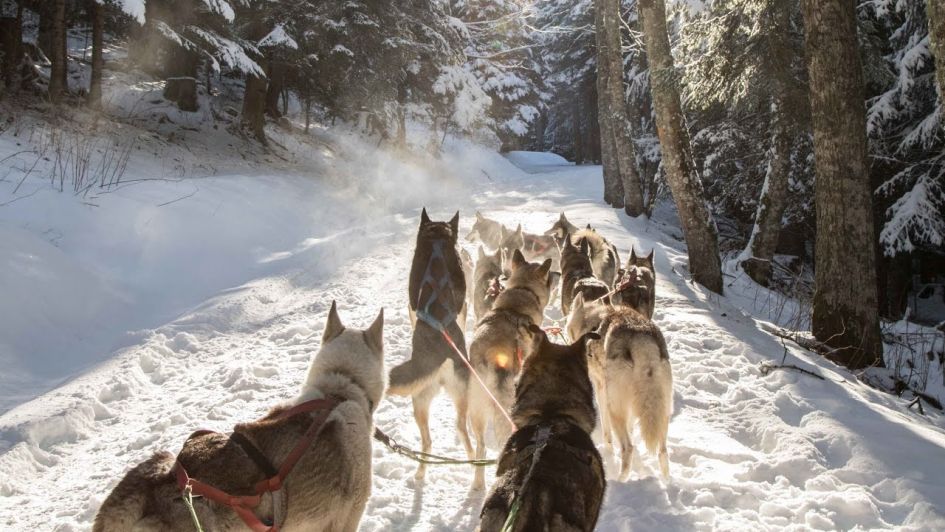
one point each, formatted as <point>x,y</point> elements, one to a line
<point>434,300</point>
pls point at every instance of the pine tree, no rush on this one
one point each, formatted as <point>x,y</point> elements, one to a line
<point>681,174</point>
<point>937,42</point>
<point>97,14</point>
<point>57,82</point>
<point>749,60</point>
<point>612,109</point>
<point>845,310</point>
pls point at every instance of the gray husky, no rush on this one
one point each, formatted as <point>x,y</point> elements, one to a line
<point>496,236</point>
<point>328,485</point>
<point>487,281</point>
<point>604,256</point>
<point>550,468</point>
<point>635,286</point>
<point>501,343</point>
<point>437,293</point>
<point>633,382</point>
<point>577,274</point>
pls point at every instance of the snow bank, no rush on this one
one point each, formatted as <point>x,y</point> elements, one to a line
<point>528,159</point>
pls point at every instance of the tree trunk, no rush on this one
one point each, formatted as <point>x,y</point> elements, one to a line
<point>936,12</point>
<point>57,71</point>
<point>759,253</point>
<point>613,186</point>
<point>625,154</point>
<point>276,75</point>
<point>12,39</point>
<point>95,83</point>
<point>578,140</point>
<point>681,173</point>
<point>254,106</point>
<point>845,308</point>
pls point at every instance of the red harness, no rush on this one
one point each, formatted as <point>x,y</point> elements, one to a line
<point>243,504</point>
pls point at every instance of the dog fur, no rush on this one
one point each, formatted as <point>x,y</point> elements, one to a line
<point>328,487</point>
<point>577,274</point>
<point>493,234</point>
<point>433,363</point>
<point>604,257</point>
<point>639,281</point>
<point>498,339</point>
<point>487,281</point>
<point>550,465</point>
<point>487,231</point>
<point>633,382</point>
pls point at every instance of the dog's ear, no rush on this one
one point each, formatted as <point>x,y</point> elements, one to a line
<point>454,225</point>
<point>585,247</point>
<point>502,256</point>
<point>567,244</point>
<point>589,227</point>
<point>649,258</point>
<point>545,267</point>
<point>374,335</point>
<point>424,217</point>
<point>503,234</point>
<point>333,327</point>
<point>563,219</point>
<point>482,253</point>
<point>518,229</point>
<point>518,259</point>
<point>479,216</point>
<point>633,256</point>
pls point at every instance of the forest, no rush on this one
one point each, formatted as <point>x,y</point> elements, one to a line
<point>790,152</point>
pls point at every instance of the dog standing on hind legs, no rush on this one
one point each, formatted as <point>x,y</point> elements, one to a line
<point>329,485</point>
<point>501,343</point>
<point>437,292</point>
<point>550,475</point>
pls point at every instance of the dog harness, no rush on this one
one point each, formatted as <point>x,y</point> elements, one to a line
<point>436,310</point>
<point>243,505</point>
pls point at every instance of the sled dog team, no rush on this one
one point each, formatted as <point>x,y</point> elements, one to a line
<point>306,465</point>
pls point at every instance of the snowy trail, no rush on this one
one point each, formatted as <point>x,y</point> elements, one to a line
<point>746,450</point>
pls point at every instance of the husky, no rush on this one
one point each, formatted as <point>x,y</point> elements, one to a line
<point>536,248</point>
<point>604,257</point>
<point>501,342</point>
<point>577,274</point>
<point>633,382</point>
<point>330,483</point>
<point>487,231</point>
<point>550,467</point>
<point>437,292</point>
<point>429,233</point>
<point>562,227</point>
<point>635,286</point>
<point>585,316</point>
<point>487,281</point>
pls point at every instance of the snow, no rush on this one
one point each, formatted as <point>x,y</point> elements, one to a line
<point>278,37</point>
<point>228,290</point>
<point>532,159</point>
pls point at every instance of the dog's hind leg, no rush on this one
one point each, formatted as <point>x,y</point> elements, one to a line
<point>421,414</point>
<point>479,421</point>
<point>620,425</point>
<point>664,461</point>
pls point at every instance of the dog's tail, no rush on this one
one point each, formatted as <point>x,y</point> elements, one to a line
<point>654,395</point>
<point>429,352</point>
<point>646,385</point>
<point>126,504</point>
